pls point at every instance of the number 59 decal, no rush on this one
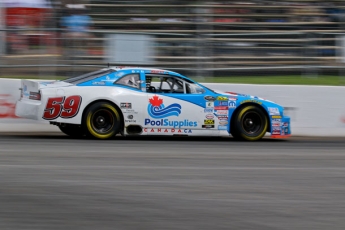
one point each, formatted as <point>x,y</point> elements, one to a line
<point>62,107</point>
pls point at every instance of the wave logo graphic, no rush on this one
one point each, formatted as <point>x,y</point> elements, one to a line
<point>156,108</point>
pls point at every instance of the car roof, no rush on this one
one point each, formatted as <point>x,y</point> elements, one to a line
<point>146,70</point>
<point>103,72</point>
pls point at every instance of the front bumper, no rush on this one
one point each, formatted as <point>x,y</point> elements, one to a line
<point>280,128</point>
<point>27,109</point>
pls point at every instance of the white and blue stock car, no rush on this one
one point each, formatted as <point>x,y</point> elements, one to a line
<point>145,101</point>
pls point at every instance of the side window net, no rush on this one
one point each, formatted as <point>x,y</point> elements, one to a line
<point>171,84</point>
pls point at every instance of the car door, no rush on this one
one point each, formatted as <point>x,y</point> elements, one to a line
<point>131,97</point>
<point>172,109</point>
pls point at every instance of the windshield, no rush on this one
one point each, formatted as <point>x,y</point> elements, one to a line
<point>204,87</point>
<point>193,88</point>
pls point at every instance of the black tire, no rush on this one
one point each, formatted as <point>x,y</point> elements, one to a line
<point>102,120</point>
<point>72,130</point>
<point>250,123</point>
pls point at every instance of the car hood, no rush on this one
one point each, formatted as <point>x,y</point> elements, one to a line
<point>241,96</point>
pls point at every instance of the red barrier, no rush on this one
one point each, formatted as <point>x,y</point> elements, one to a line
<point>7,106</point>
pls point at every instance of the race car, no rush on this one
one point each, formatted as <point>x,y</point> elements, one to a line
<point>147,101</point>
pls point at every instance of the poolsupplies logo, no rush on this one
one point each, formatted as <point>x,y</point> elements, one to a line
<point>156,109</point>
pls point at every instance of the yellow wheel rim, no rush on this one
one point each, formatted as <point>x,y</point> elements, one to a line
<point>263,121</point>
<point>93,123</point>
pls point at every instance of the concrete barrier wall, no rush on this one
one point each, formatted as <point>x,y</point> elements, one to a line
<point>314,110</point>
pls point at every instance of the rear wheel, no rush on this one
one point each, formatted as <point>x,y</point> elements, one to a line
<point>102,120</point>
<point>250,124</point>
<point>72,130</point>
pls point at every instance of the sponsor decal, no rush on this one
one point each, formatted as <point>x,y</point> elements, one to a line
<point>130,119</point>
<point>25,91</point>
<point>223,103</point>
<point>7,106</point>
<point>276,128</point>
<point>221,108</point>
<point>208,110</point>
<point>208,122</point>
<point>207,126</point>
<point>232,93</point>
<point>286,130</point>
<point>119,74</point>
<point>276,122</point>
<point>276,133</point>
<point>222,127</point>
<point>209,116</point>
<point>251,100</point>
<point>223,122</point>
<point>236,94</point>
<point>209,104</point>
<point>152,130</point>
<point>210,98</point>
<point>157,109</point>
<point>125,105</point>
<point>276,117</point>
<point>232,99</point>
<point>232,104</point>
<point>98,83</point>
<point>273,111</point>
<point>223,112</point>
<point>62,107</point>
<point>222,118</point>
<point>222,98</point>
<point>172,123</point>
<point>131,111</point>
<point>157,71</point>
<point>286,124</point>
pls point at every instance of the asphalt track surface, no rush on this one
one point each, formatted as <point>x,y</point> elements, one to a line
<point>49,181</point>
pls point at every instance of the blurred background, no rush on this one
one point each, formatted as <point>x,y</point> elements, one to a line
<point>57,38</point>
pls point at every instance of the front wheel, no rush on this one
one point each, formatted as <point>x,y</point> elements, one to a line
<point>250,123</point>
<point>102,120</point>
